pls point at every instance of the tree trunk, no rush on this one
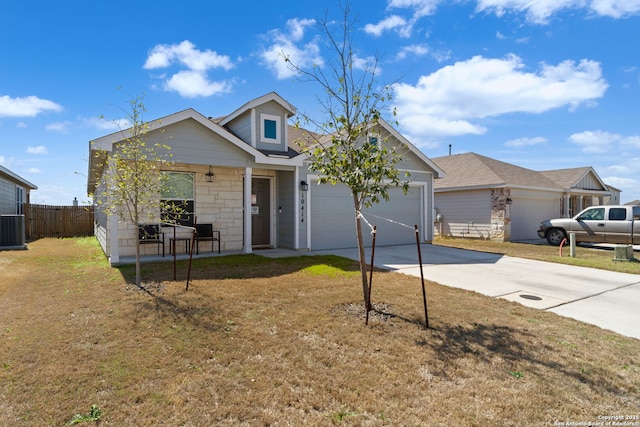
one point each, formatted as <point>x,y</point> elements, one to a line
<point>138,279</point>
<point>361,259</point>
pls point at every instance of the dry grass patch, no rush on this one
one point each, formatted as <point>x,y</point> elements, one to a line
<point>259,341</point>
<point>585,256</point>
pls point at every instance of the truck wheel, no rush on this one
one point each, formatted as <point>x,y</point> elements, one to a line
<point>555,236</point>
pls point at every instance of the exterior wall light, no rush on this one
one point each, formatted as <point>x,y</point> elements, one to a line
<point>209,175</point>
<point>304,186</point>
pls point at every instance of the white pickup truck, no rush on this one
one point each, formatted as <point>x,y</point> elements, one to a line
<point>600,224</point>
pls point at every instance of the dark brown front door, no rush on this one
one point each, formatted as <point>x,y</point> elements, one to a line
<point>260,212</point>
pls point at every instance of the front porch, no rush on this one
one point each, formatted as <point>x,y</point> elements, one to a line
<point>267,252</point>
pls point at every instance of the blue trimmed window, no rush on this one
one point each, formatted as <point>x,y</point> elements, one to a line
<point>270,129</point>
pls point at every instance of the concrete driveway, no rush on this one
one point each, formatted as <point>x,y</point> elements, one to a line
<point>603,298</point>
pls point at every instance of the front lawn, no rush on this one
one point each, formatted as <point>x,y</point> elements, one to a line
<point>258,341</point>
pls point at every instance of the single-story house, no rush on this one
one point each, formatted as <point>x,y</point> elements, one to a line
<point>485,198</point>
<point>15,193</point>
<point>245,174</point>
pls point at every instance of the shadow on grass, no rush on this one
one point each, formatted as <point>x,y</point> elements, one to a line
<point>520,348</point>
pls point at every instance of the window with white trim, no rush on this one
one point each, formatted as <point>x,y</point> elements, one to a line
<point>19,200</point>
<point>269,128</point>
<point>177,201</point>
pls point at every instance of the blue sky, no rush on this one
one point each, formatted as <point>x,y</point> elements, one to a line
<point>543,84</point>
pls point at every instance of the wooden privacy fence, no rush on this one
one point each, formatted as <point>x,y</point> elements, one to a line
<point>58,221</point>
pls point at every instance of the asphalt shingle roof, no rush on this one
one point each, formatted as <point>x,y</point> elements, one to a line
<point>474,170</point>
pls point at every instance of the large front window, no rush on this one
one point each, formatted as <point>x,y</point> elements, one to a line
<point>177,201</point>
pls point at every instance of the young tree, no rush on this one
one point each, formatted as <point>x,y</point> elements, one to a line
<point>349,150</point>
<point>131,182</point>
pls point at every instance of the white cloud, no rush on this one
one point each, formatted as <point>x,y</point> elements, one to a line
<point>596,142</point>
<point>525,142</point>
<point>633,141</point>
<point>34,170</point>
<point>448,100</point>
<point>109,125</point>
<point>540,11</point>
<point>192,84</point>
<point>194,81</point>
<point>421,7</point>
<point>402,26</point>
<point>286,45</point>
<point>297,27</point>
<point>414,49</point>
<point>29,106</point>
<point>40,149</point>
<point>393,22</point>
<point>615,8</point>
<point>59,126</point>
<point>186,54</point>
<point>21,125</point>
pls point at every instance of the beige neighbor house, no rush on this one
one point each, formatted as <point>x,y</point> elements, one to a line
<point>14,195</point>
<point>485,198</point>
<point>243,174</point>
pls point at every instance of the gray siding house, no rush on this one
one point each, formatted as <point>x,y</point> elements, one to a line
<point>15,192</point>
<point>262,193</point>
<point>485,198</point>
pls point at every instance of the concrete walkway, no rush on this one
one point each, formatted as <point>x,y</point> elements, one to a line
<point>607,299</point>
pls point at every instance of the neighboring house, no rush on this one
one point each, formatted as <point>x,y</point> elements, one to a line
<point>261,193</point>
<point>485,198</point>
<point>14,192</point>
<point>14,195</point>
<point>633,203</point>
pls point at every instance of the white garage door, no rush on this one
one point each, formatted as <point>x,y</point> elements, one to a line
<point>526,215</point>
<point>332,217</point>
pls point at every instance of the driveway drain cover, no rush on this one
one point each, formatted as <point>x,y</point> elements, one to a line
<point>531,297</point>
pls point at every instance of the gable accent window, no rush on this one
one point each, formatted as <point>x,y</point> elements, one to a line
<point>269,128</point>
<point>177,201</point>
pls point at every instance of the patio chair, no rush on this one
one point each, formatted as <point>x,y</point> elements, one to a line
<point>205,232</point>
<point>150,234</point>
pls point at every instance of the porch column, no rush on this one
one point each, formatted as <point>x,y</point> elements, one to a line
<point>566,199</point>
<point>114,244</point>
<point>247,211</point>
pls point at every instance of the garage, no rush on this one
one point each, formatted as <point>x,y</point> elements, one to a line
<point>332,221</point>
<point>527,213</point>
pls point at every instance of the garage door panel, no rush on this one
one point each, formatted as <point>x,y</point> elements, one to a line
<point>526,215</point>
<point>333,222</point>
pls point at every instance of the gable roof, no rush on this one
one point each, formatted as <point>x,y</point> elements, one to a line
<point>471,170</point>
<point>105,143</point>
<point>312,138</point>
<point>4,172</point>
<point>271,96</point>
<point>573,177</point>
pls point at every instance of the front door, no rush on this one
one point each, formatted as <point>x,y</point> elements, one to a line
<point>260,212</point>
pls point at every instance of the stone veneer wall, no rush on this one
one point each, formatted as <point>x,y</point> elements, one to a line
<point>218,202</point>
<point>500,215</point>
